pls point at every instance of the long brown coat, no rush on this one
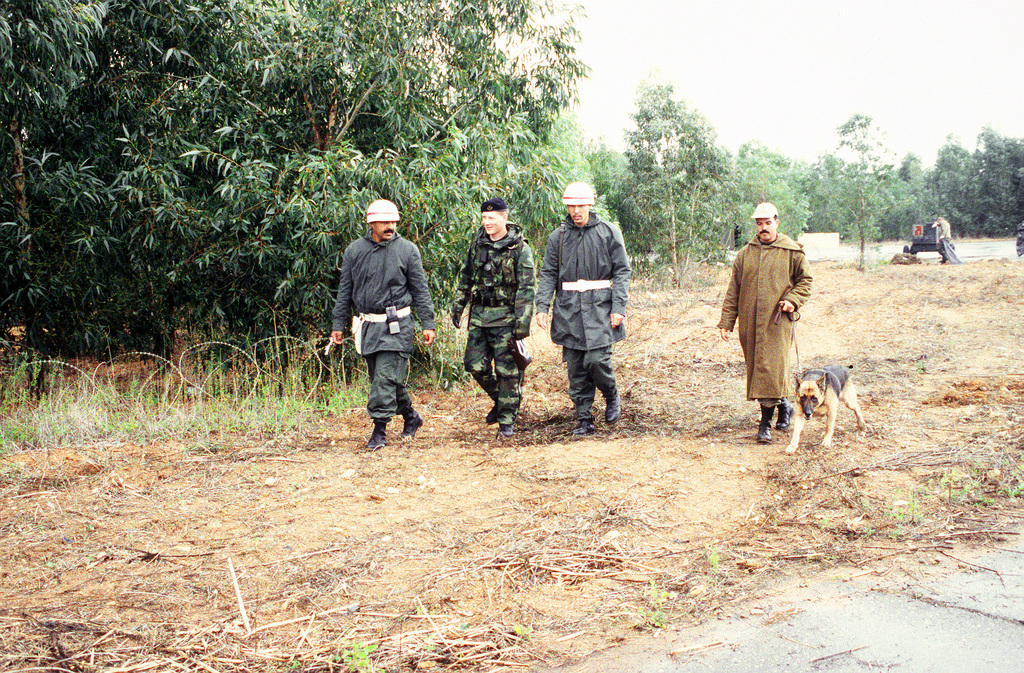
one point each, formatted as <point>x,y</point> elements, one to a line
<point>762,276</point>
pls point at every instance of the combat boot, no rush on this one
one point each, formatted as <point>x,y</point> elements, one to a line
<point>379,437</point>
<point>492,415</point>
<point>613,410</point>
<point>584,427</point>
<point>764,431</point>
<point>505,430</point>
<point>785,415</point>
<point>413,422</point>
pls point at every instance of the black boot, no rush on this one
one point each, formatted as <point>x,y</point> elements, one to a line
<point>613,410</point>
<point>785,415</point>
<point>506,430</point>
<point>584,427</point>
<point>379,436</point>
<point>492,415</point>
<point>413,422</point>
<point>764,431</point>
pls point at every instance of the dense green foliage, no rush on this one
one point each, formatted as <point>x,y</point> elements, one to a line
<point>676,178</point>
<point>201,165</point>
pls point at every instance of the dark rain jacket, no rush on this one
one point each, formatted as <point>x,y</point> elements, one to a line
<point>595,251</point>
<point>377,275</point>
<point>762,276</point>
<point>498,282</point>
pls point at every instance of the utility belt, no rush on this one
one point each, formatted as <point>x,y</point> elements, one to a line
<point>479,299</point>
<point>383,317</point>
<point>586,285</point>
<point>390,316</point>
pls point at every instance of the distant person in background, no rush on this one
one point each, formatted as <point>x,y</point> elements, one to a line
<point>1020,239</point>
<point>945,236</point>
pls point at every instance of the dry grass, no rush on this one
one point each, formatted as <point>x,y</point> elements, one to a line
<point>250,551</point>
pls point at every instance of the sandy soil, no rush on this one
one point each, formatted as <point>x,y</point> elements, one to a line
<point>456,551</point>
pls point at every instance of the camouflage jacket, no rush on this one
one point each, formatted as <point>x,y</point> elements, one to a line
<point>497,282</point>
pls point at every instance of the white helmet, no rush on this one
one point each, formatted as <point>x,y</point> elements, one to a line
<point>382,210</point>
<point>578,194</point>
<point>765,211</point>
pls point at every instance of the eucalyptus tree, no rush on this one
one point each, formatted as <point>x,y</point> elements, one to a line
<point>328,105</point>
<point>954,183</point>
<point>677,174</point>
<point>1000,184</point>
<point>761,175</point>
<point>854,183</point>
<point>911,201</point>
<point>43,54</point>
<point>227,150</point>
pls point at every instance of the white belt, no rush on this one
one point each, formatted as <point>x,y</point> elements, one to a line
<point>584,285</point>
<point>358,320</point>
<point>382,317</point>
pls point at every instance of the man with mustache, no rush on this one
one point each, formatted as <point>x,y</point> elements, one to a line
<point>382,279</point>
<point>497,284</point>
<point>587,270</point>
<point>770,281</point>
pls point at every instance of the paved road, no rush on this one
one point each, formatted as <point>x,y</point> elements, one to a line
<point>967,250</point>
<point>968,621</point>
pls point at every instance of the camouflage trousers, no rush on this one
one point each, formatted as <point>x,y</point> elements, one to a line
<point>490,362</point>
<point>589,371</point>
<point>387,371</point>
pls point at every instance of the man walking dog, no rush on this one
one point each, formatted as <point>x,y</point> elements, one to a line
<point>770,282</point>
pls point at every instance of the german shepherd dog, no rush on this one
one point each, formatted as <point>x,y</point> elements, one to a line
<point>823,389</point>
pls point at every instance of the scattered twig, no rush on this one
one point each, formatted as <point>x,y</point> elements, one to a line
<point>238,595</point>
<point>837,654</point>
<point>695,648</point>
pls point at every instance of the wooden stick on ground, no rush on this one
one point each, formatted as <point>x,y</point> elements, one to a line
<point>238,595</point>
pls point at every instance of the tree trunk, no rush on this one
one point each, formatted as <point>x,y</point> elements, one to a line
<point>18,183</point>
<point>672,242</point>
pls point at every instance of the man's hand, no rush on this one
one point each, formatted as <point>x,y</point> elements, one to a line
<point>617,319</point>
<point>787,306</point>
<point>337,337</point>
<point>542,320</point>
<point>428,337</point>
<point>725,333</point>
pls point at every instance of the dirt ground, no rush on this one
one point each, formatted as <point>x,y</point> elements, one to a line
<point>456,551</point>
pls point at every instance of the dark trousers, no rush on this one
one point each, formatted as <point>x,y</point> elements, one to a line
<point>589,371</point>
<point>388,396</point>
<point>489,360</point>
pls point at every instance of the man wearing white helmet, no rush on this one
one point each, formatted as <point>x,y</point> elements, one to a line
<point>587,270</point>
<point>770,281</point>
<point>382,280</point>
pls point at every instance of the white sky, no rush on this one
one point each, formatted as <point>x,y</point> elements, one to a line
<point>787,72</point>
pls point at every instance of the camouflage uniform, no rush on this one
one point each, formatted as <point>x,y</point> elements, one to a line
<point>497,282</point>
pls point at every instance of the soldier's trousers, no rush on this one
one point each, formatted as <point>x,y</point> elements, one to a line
<point>388,396</point>
<point>589,371</point>
<point>489,360</point>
